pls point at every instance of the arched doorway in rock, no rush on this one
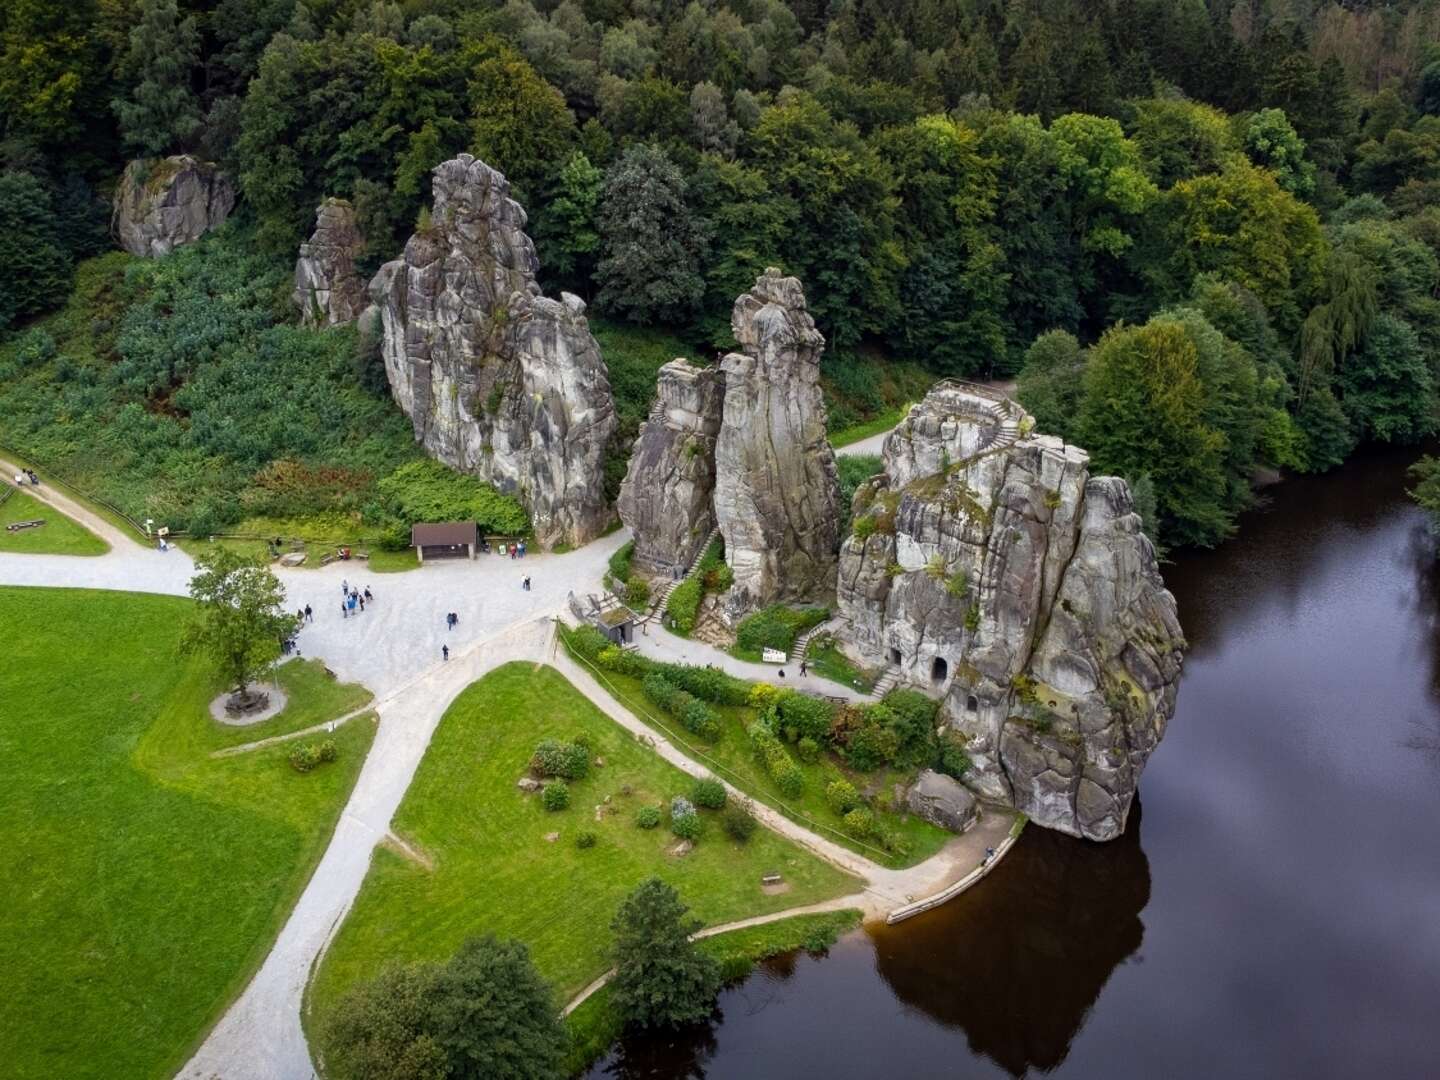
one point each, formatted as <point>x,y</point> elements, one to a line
<point>972,703</point>
<point>939,669</point>
<point>894,655</point>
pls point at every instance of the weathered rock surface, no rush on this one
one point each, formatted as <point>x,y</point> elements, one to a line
<point>497,380</point>
<point>776,491</point>
<point>328,290</point>
<point>160,205</point>
<point>666,500</point>
<point>992,567</point>
<point>942,801</point>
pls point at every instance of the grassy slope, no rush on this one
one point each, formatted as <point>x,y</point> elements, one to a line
<point>143,881</point>
<point>59,535</point>
<point>732,752</point>
<point>494,871</point>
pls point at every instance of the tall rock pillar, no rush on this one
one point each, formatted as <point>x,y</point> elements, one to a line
<point>776,489</point>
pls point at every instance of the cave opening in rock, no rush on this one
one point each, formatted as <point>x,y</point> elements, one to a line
<point>939,669</point>
<point>894,655</point>
<point>971,703</point>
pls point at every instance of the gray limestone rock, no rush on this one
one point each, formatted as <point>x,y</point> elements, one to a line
<point>498,381</point>
<point>776,490</point>
<point>942,801</point>
<point>997,572</point>
<point>666,500</point>
<point>328,291</point>
<point>160,205</point>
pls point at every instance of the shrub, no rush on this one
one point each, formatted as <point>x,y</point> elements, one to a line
<point>699,719</point>
<point>807,715</point>
<point>328,750</point>
<point>739,822</point>
<point>874,742</point>
<point>762,696</point>
<point>620,562</point>
<point>684,605</point>
<point>913,718</point>
<point>865,527</point>
<point>588,642</point>
<point>637,592</point>
<point>711,684</point>
<point>313,755</point>
<point>776,627</point>
<point>972,618</point>
<point>425,490</point>
<point>842,796</point>
<point>860,823</point>
<point>556,795</point>
<point>659,690</point>
<point>624,661</point>
<point>808,749</point>
<point>647,817</point>
<point>563,759</point>
<point>585,839</point>
<point>709,793</point>
<point>687,828</point>
<point>777,761</point>
<point>953,760</point>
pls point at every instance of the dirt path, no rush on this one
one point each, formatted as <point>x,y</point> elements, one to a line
<point>118,539</point>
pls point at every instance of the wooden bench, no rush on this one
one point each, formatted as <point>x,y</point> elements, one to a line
<point>16,526</point>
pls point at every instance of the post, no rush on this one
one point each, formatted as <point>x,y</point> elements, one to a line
<point>419,553</point>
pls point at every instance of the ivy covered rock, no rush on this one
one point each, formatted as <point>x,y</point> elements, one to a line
<point>161,205</point>
<point>989,565</point>
<point>498,381</point>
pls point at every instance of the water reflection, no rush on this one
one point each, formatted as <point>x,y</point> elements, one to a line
<point>1018,964</point>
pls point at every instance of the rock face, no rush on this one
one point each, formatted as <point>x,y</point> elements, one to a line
<point>990,566</point>
<point>776,490</point>
<point>160,205</point>
<point>497,380</point>
<point>328,291</point>
<point>942,801</point>
<point>666,500</point>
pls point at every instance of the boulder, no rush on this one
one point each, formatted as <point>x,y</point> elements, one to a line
<point>498,381</point>
<point>992,568</point>
<point>328,290</point>
<point>666,500</point>
<point>776,491</point>
<point>942,801</point>
<point>528,784</point>
<point>160,205</point>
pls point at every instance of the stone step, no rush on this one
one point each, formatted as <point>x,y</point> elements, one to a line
<point>888,678</point>
<point>664,595</point>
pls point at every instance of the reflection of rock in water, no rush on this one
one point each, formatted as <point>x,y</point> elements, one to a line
<point>1018,962</point>
<point>662,1055</point>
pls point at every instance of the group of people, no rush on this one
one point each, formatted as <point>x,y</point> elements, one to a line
<point>27,476</point>
<point>351,598</point>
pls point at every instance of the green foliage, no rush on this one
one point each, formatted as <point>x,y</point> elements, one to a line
<point>159,110</point>
<point>647,817</point>
<point>738,821</point>
<point>684,605</point>
<point>637,593</point>
<point>661,979</point>
<point>240,617</point>
<point>39,268</point>
<point>1050,382</point>
<point>1272,143</point>
<point>584,839</point>
<point>684,821</point>
<point>693,713</point>
<point>619,563</point>
<point>309,756</point>
<point>772,754</point>
<point>842,796</point>
<point>709,794</point>
<point>485,1013</point>
<point>776,627</point>
<point>803,716</point>
<point>555,758</point>
<point>953,760</point>
<point>429,491</point>
<point>555,795</point>
<point>861,824</point>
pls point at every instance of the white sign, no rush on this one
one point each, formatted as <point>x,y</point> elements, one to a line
<point>773,656</point>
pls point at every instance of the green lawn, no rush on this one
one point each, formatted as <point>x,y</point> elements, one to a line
<point>321,535</point>
<point>58,536</point>
<point>142,880</point>
<point>731,752</point>
<point>494,871</point>
<point>831,663</point>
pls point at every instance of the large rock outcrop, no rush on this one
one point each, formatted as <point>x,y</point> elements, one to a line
<point>776,490</point>
<point>666,500</point>
<point>328,289</point>
<point>988,564</point>
<point>497,380</point>
<point>160,205</point>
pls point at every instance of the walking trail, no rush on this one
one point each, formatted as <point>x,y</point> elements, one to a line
<point>394,649</point>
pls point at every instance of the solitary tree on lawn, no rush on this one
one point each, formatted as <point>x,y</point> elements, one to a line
<point>661,978</point>
<point>241,618</point>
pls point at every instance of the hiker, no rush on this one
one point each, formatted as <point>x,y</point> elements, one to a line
<point>445,651</point>
<point>309,615</point>
<point>803,670</point>
<point>300,615</point>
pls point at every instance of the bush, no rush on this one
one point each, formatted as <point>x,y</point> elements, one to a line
<point>425,490</point>
<point>637,592</point>
<point>778,763</point>
<point>699,719</point>
<point>806,715</point>
<point>709,793</point>
<point>762,696</point>
<point>953,760</point>
<point>647,817</point>
<point>563,759</point>
<point>686,828</point>
<point>711,684</point>
<point>874,743</point>
<point>585,840</point>
<point>660,690</point>
<point>624,661</point>
<point>694,714</point>
<point>684,605</point>
<point>842,796</point>
<point>556,795</point>
<point>312,755</point>
<point>776,627</point>
<point>860,823</point>
<point>620,562</point>
<point>913,718</point>
<point>738,821</point>
<point>808,749</point>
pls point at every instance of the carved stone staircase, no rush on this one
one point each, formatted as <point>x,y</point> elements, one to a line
<point>664,597</point>
<point>888,678</point>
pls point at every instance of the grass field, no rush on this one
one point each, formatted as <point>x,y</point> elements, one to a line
<point>142,880</point>
<point>58,536</point>
<point>732,752</point>
<point>493,870</point>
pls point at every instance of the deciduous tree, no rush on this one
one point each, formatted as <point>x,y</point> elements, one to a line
<point>240,617</point>
<point>661,979</point>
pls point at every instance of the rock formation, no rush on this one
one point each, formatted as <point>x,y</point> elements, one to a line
<point>666,500</point>
<point>497,380</point>
<point>775,482</point>
<point>989,564</point>
<point>328,291</point>
<point>942,801</point>
<point>160,205</point>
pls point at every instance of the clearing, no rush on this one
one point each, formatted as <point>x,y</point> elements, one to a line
<point>58,536</point>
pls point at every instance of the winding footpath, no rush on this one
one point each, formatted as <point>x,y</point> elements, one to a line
<point>394,648</point>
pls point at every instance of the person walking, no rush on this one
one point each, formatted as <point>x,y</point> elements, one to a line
<point>803,669</point>
<point>445,652</point>
<point>522,549</point>
<point>362,602</point>
<point>344,587</point>
<point>526,583</point>
<point>344,609</point>
<point>368,598</point>
<point>309,615</point>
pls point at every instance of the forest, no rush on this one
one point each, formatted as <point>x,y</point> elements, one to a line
<point>1203,234</point>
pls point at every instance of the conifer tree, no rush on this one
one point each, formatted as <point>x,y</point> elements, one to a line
<point>161,111</point>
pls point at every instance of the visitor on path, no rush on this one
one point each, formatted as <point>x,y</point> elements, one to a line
<point>19,479</point>
<point>344,587</point>
<point>351,602</point>
<point>344,609</point>
<point>526,583</point>
<point>782,673</point>
<point>445,652</point>
<point>514,549</point>
<point>362,602</point>
<point>368,598</point>
<point>522,549</point>
<point>309,615</point>
<point>34,480</point>
<point>803,669</point>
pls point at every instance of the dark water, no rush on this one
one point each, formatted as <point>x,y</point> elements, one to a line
<point>1274,911</point>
